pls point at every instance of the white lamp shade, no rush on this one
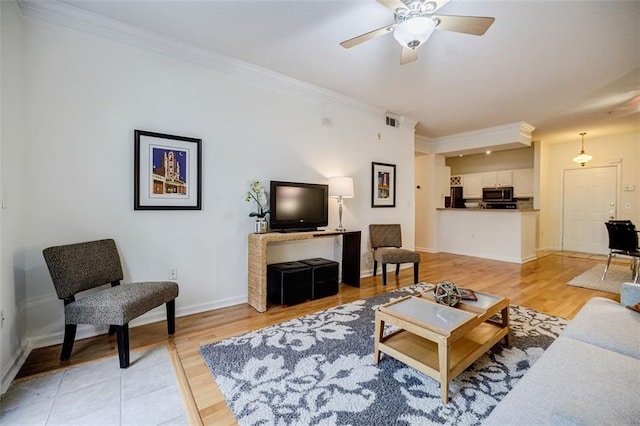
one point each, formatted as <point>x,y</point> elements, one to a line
<point>341,186</point>
<point>415,31</point>
<point>582,158</point>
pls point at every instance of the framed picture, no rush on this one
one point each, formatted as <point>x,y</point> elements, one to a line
<point>383,185</point>
<point>167,172</point>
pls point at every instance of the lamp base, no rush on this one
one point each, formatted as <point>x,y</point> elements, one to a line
<point>341,229</point>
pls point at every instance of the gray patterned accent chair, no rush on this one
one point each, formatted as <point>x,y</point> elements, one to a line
<point>386,242</point>
<point>75,268</point>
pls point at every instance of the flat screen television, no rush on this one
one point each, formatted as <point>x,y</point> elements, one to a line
<point>297,207</point>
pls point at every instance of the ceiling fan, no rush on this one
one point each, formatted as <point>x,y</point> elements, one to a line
<point>414,23</point>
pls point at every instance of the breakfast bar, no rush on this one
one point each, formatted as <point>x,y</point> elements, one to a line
<point>507,235</point>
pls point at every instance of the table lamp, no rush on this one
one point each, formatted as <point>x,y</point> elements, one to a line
<point>340,187</point>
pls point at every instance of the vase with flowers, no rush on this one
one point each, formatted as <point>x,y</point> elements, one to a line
<point>256,193</point>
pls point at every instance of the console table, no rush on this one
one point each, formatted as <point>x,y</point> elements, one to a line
<point>258,260</point>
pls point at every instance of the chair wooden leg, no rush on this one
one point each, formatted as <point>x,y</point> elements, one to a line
<point>416,269</point>
<point>67,344</point>
<point>171,316</point>
<point>384,274</point>
<point>122,334</point>
<point>397,269</point>
<point>375,267</point>
<point>606,268</point>
<point>112,330</point>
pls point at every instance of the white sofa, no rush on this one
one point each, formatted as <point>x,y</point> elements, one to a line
<point>589,376</point>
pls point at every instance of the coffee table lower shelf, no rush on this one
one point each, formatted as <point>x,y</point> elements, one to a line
<point>425,355</point>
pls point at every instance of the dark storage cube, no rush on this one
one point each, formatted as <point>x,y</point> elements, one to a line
<point>324,277</point>
<point>289,283</point>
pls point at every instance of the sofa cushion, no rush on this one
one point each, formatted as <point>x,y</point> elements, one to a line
<point>629,294</point>
<point>574,383</point>
<point>606,323</point>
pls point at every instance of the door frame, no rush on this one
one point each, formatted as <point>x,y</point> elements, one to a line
<point>563,192</point>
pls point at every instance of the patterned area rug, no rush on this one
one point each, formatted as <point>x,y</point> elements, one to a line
<point>319,370</point>
<point>616,275</point>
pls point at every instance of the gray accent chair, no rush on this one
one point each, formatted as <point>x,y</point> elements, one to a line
<point>75,268</point>
<point>386,242</point>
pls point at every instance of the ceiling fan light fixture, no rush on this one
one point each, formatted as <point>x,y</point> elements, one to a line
<point>414,31</point>
<point>582,157</point>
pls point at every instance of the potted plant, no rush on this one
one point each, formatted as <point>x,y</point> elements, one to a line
<point>257,194</point>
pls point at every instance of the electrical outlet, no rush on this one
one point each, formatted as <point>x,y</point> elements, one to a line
<point>173,273</point>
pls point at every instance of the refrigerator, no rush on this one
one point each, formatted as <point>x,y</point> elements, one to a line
<point>455,199</point>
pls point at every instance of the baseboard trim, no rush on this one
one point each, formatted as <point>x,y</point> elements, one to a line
<point>13,367</point>
<point>33,342</point>
<point>426,250</point>
<point>44,340</point>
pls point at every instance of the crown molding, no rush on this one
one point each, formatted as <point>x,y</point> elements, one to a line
<point>508,136</point>
<point>424,145</point>
<point>63,15</point>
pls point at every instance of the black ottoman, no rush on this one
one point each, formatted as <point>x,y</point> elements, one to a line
<point>289,283</point>
<point>324,277</point>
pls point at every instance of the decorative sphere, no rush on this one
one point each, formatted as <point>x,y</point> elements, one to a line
<point>447,293</point>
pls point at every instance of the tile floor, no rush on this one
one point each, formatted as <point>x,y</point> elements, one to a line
<point>100,393</point>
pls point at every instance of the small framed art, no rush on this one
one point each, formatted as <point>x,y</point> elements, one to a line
<point>167,172</point>
<point>383,185</point>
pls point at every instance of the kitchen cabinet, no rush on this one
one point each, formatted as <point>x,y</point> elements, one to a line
<point>494,179</point>
<point>504,178</point>
<point>523,183</point>
<point>472,185</point>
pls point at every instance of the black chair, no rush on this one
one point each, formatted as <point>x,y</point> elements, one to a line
<point>386,242</point>
<point>78,267</point>
<point>623,239</point>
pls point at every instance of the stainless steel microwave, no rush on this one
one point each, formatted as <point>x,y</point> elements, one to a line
<point>501,193</point>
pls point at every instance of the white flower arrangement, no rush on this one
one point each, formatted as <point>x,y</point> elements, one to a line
<point>258,195</point>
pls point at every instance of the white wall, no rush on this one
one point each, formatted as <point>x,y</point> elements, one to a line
<point>521,158</point>
<point>12,278</point>
<point>84,97</point>
<point>432,178</point>
<point>606,150</point>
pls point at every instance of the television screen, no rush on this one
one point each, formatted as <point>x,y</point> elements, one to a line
<point>298,206</point>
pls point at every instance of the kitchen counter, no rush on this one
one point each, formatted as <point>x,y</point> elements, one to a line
<point>500,234</point>
<point>489,210</point>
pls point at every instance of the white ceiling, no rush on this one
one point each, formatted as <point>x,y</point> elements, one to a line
<point>562,66</point>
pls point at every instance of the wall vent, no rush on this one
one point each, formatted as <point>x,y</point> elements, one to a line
<point>392,121</point>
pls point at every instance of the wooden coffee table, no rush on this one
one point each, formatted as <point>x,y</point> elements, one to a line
<point>438,340</point>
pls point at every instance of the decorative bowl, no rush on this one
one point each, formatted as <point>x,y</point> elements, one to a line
<point>447,293</point>
<point>472,205</point>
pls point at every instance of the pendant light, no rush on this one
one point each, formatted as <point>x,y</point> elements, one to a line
<point>414,31</point>
<point>582,157</point>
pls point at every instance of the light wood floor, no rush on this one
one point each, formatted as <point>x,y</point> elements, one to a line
<point>540,285</point>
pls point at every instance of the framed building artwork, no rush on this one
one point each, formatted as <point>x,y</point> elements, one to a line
<point>167,172</point>
<point>383,185</point>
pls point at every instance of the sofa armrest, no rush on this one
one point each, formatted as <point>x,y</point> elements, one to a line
<point>629,294</point>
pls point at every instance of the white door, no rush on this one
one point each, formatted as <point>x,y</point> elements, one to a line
<point>589,200</point>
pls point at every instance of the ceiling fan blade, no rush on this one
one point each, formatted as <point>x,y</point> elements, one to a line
<point>476,25</point>
<point>431,6</point>
<point>347,44</point>
<point>392,5</point>
<point>408,55</point>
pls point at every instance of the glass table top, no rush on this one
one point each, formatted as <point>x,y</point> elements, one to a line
<point>441,316</point>
<point>484,300</point>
